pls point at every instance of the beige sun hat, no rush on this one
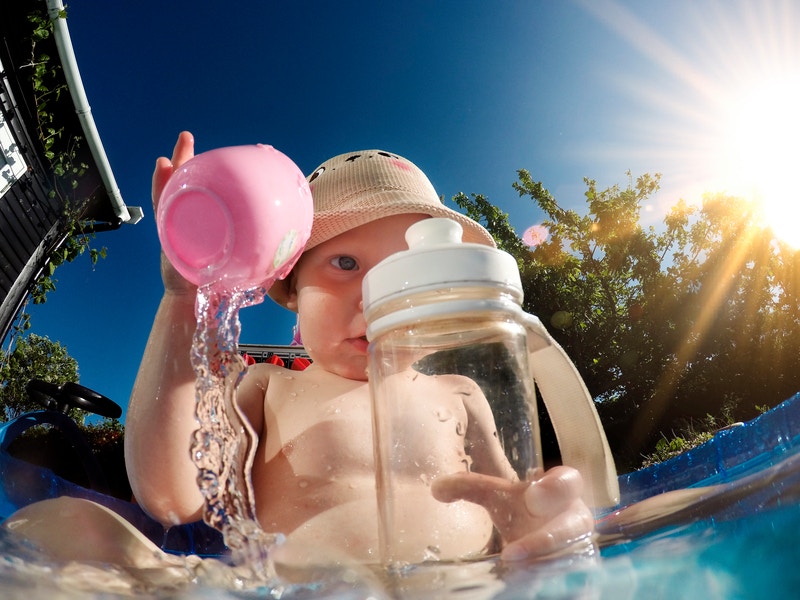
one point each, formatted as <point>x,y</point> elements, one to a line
<point>357,188</point>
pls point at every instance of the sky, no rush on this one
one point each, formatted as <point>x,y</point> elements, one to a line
<point>703,92</point>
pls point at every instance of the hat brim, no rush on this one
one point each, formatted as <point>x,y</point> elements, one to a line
<point>328,225</point>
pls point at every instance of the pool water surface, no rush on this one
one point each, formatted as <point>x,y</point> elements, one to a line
<point>718,522</point>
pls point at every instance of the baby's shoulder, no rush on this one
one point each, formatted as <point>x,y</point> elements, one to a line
<point>261,372</point>
<point>267,373</point>
<point>268,377</point>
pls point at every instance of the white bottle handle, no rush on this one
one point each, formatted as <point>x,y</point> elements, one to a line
<point>580,434</point>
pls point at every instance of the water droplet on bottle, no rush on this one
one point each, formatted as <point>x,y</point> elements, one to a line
<point>461,428</point>
<point>303,483</point>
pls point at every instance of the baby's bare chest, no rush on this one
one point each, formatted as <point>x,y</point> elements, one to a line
<point>328,430</point>
<point>320,430</point>
<point>335,435</point>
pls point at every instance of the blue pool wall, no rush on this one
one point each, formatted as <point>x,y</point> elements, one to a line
<point>730,454</point>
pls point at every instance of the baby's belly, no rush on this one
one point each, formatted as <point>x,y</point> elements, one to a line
<point>419,527</point>
<point>342,524</point>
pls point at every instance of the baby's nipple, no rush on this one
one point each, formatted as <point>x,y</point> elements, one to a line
<point>443,414</point>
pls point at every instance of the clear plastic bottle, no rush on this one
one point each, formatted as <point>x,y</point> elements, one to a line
<point>451,388</point>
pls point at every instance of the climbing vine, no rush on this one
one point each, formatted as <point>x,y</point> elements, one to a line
<point>61,149</point>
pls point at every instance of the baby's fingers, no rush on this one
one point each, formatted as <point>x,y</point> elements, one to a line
<point>571,530</point>
<point>503,499</point>
<point>551,494</point>
<point>183,151</point>
<point>536,519</point>
<point>481,489</point>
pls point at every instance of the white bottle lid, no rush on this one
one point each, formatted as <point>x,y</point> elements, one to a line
<point>438,260</point>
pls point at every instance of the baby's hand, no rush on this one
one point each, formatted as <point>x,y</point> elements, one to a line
<point>184,150</point>
<point>536,519</point>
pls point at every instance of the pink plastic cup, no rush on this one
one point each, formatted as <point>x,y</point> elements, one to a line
<point>239,216</point>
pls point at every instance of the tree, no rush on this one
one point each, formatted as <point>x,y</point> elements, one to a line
<point>698,318</point>
<point>33,357</point>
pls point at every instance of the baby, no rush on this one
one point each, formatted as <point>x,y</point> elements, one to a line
<point>313,472</point>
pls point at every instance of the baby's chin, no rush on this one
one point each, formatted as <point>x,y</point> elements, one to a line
<point>354,374</point>
<point>355,368</point>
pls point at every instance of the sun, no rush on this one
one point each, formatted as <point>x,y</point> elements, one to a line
<point>720,113</point>
<point>762,150</point>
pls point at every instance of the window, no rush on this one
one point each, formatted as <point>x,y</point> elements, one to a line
<point>12,165</point>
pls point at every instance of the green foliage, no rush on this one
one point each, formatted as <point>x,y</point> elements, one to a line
<point>690,437</point>
<point>104,434</point>
<point>33,357</point>
<point>49,84</point>
<point>664,324</point>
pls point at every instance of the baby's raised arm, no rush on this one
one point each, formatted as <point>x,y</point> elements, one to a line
<point>160,417</point>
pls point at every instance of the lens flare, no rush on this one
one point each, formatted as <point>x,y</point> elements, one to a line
<point>535,235</point>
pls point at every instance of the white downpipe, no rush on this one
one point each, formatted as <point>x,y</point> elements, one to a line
<point>127,214</point>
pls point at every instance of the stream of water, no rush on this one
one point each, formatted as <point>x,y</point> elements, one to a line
<point>224,444</point>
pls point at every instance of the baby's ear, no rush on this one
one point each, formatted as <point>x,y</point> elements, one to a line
<point>291,297</point>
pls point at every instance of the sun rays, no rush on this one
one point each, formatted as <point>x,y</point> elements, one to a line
<point>724,116</point>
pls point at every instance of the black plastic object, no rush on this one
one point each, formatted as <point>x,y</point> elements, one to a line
<point>72,395</point>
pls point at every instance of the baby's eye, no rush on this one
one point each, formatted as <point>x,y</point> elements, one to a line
<point>345,263</point>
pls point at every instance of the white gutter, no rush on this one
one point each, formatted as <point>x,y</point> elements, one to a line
<point>55,8</point>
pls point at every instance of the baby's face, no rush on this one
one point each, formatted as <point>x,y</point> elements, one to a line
<point>328,292</point>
